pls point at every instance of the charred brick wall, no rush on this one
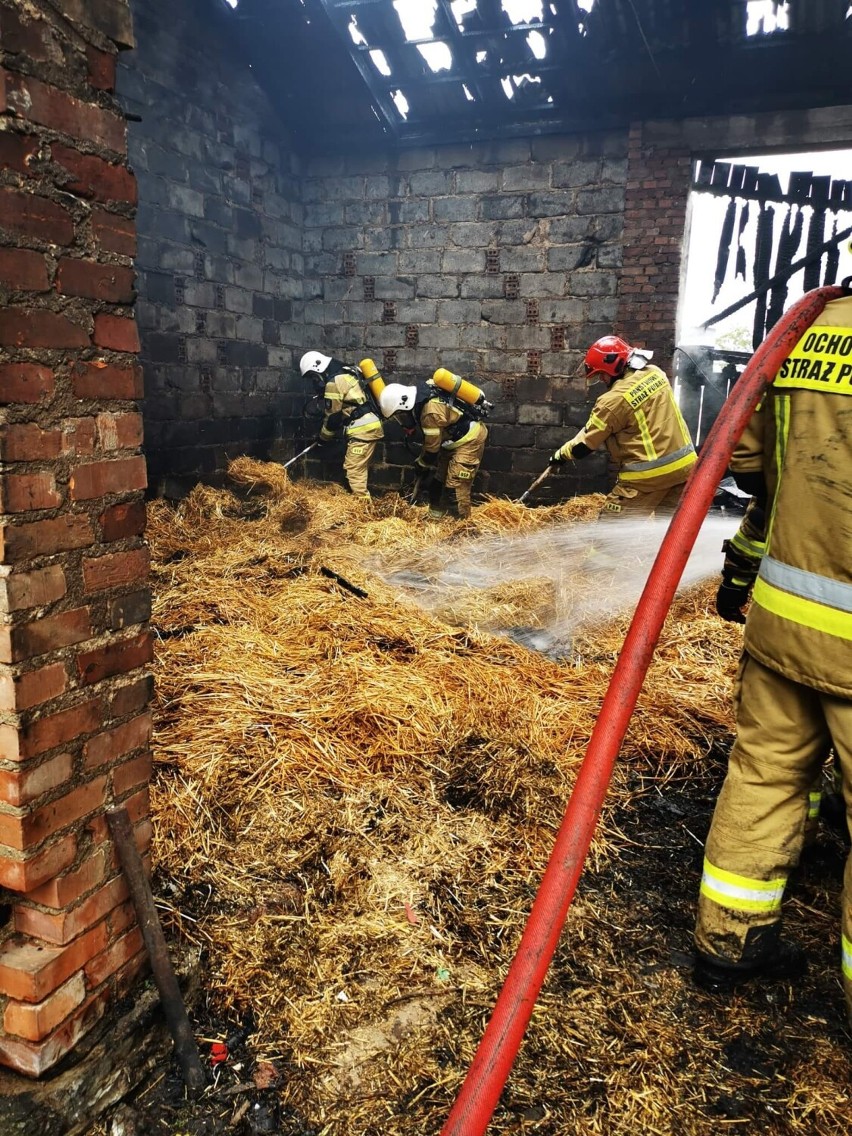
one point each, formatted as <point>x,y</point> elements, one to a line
<point>74,603</point>
<point>499,261</point>
<point>220,241</point>
<point>658,182</point>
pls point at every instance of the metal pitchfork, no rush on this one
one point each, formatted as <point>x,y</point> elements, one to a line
<point>306,450</point>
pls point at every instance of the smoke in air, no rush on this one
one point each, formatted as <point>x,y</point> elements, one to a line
<point>541,588</point>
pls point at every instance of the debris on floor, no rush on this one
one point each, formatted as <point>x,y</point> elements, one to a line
<point>355,798</point>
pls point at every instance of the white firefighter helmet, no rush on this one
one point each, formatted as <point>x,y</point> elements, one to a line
<point>396,397</point>
<point>313,362</point>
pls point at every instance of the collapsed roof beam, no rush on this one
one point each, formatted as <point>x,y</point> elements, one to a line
<point>336,10</point>
<point>463,54</point>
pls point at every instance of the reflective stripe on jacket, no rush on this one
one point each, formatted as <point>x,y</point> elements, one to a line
<point>437,419</point>
<point>643,429</point>
<point>800,621</point>
<point>750,538</point>
<point>346,405</point>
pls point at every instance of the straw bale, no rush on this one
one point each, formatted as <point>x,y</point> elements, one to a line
<point>354,799</point>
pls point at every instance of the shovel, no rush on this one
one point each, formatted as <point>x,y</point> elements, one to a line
<point>306,450</point>
<point>535,484</point>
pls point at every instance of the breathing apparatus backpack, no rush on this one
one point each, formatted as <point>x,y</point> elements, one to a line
<point>373,381</point>
<point>453,389</point>
<point>462,394</point>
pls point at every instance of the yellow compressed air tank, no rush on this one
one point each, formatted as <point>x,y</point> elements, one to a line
<point>372,377</point>
<point>460,388</point>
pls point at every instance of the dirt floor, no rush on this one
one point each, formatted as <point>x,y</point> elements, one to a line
<point>397,995</point>
<point>771,1060</point>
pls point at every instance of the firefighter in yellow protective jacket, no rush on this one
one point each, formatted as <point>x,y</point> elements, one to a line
<point>743,554</point>
<point>793,694</point>
<point>453,443</point>
<point>639,422</point>
<point>348,408</point>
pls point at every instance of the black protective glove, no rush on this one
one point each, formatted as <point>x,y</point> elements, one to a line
<point>738,575</point>
<point>557,459</point>
<point>731,598</point>
<point>424,465</point>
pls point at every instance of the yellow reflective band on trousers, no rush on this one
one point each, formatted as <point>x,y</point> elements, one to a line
<point>739,892</point>
<point>846,957</point>
<point>821,360</point>
<point>639,471</point>
<point>814,798</point>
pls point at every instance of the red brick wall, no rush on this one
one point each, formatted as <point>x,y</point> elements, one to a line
<point>74,604</point>
<point>658,181</point>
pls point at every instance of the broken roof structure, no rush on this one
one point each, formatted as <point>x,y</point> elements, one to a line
<point>412,72</point>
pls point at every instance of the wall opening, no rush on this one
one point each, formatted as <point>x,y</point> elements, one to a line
<point>762,231</point>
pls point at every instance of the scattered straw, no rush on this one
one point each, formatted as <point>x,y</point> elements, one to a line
<point>354,801</point>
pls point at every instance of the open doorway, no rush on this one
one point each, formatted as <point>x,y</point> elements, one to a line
<point>762,231</point>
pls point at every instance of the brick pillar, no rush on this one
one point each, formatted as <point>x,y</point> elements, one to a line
<point>658,182</point>
<point>74,604</point>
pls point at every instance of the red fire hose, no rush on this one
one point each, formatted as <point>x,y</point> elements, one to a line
<point>493,1061</point>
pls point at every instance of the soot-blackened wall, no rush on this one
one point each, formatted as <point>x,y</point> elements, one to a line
<point>500,260</point>
<point>220,246</point>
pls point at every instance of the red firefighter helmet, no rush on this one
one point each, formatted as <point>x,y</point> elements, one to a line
<point>608,356</point>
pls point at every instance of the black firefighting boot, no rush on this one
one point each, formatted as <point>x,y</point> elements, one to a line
<point>463,496</point>
<point>437,510</point>
<point>454,506</point>
<point>782,963</point>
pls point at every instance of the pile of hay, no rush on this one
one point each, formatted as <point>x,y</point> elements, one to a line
<point>354,800</point>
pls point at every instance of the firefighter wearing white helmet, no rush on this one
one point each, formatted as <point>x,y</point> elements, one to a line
<point>453,442</point>
<point>640,424</point>
<point>349,409</point>
<point>313,363</point>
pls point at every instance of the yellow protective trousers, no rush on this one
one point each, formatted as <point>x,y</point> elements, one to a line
<point>784,730</point>
<point>631,500</point>
<point>457,468</point>
<point>360,447</point>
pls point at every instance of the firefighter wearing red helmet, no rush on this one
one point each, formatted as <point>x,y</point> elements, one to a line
<point>639,422</point>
